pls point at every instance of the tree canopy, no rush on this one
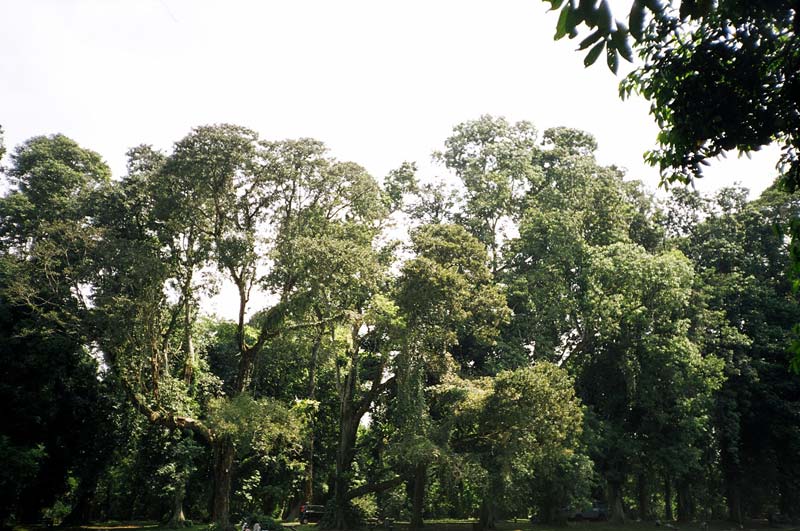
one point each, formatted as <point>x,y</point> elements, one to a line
<point>546,336</point>
<point>720,76</point>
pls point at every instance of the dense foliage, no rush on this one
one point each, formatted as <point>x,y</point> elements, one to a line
<point>536,333</point>
<point>720,75</point>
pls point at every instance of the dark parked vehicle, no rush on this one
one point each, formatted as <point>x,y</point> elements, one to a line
<point>311,513</point>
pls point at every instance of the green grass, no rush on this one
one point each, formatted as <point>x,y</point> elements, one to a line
<point>439,525</point>
<point>525,525</point>
<point>137,526</point>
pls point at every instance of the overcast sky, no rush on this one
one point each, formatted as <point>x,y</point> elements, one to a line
<point>379,81</point>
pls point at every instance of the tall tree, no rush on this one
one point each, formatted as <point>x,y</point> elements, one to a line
<point>744,263</point>
<point>446,295</point>
<point>495,161</point>
<point>46,247</point>
<point>225,200</point>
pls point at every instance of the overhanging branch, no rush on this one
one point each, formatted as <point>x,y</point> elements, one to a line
<point>165,418</point>
<point>375,487</point>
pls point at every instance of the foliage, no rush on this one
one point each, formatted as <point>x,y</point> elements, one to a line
<point>49,373</point>
<point>719,75</point>
<point>548,334</point>
<point>254,424</point>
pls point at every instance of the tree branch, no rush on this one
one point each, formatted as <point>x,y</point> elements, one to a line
<point>375,487</point>
<point>165,418</point>
<point>376,389</point>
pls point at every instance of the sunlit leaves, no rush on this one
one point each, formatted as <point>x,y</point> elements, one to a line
<point>258,424</point>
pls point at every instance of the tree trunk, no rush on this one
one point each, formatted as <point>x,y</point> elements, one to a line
<point>487,514</point>
<point>420,477</point>
<point>729,461</point>
<point>734,498</point>
<point>344,460</point>
<point>348,428</point>
<point>617,515</point>
<point>643,496</point>
<point>685,512</point>
<point>308,486</point>
<point>667,498</point>
<point>788,496</point>
<point>223,472</point>
<point>550,507</point>
<point>178,520</point>
<point>351,410</point>
<point>81,510</point>
<point>188,339</point>
<point>488,511</point>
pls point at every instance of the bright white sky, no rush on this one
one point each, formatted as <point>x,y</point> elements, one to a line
<point>379,81</point>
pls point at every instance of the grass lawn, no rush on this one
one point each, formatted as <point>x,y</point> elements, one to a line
<point>525,525</point>
<point>441,525</point>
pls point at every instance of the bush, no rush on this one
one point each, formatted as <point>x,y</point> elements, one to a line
<point>367,505</point>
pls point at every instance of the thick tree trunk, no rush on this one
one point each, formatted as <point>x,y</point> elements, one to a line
<point>685,509</point>
<point>729,460</point>
<point>308,484</point>
<point>351,410</point>
<point>177,520</point>
<point>617,515</point>
<point>223,472</point>
<point>81,512</point>
<point>420,477</point>
<point>788,495</point>
<point>344,460</point>
<point>550,506</point>
<point>487,514</point>
<point>348,428</point>
<point>734,498</point>
<point>488,511</point>
<point>667,499</point>
<point>643,496</point>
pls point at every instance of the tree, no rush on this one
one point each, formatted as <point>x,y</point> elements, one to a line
<point>581,205</point>
<point>514,426</point>
<point>636,341</point>
<point>446,296</point>
<point>50,373</point>
<point>50,383</point>
<point>720,75</point>
<point>47,238</point>
<point>744,264</point>
<point>223,199</point>
<point>495,162</point>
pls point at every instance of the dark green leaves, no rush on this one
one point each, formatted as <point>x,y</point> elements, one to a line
<point>561,26</point>
<point>594,53</point>
<point>612,58</point>
<point>591,39</point>
<point>597,16</point>
<point>636,19</point>
<point>604,18</point>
